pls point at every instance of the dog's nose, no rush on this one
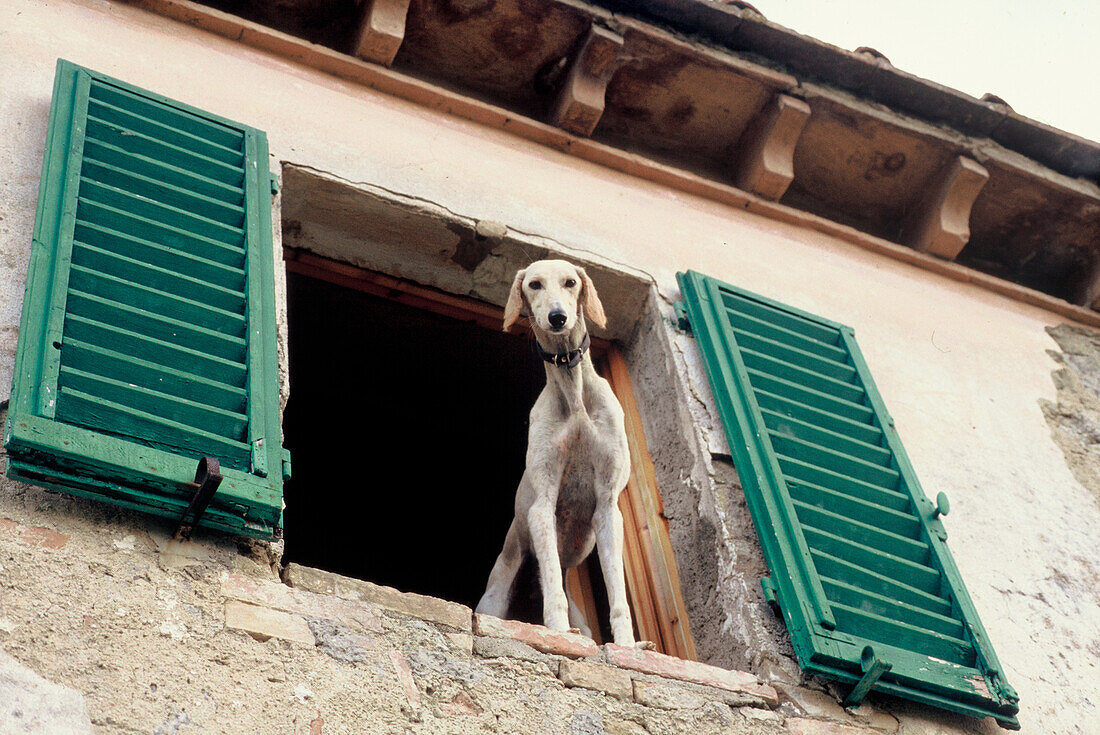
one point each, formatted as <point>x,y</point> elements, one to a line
<point>557,319</point>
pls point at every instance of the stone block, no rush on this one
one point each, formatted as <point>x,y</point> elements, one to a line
<point>509,648</point>
<point>431,609</point>
<point>658,664</point>
<point>601,678</point>
<point>301,602</point>
<point>538,637</point>
<point>263,623</point>
<point>667,695</point>
<point>813,703</point>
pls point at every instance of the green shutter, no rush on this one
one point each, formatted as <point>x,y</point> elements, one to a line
<point>858,560</point>
<point>148,332</point>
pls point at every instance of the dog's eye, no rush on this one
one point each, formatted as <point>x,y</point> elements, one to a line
<point>534,285</point>
<point>570,283</point>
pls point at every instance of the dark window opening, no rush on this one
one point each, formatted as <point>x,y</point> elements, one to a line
<point>408,431</point>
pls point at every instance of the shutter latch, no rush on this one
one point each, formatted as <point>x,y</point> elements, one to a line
<point>873,668</point>
<point>207,479</point>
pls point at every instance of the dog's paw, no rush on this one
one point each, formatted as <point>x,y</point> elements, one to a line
<point>645,646</point>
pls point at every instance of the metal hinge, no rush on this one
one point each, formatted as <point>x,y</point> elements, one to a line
<point>682,321</point>
<point>771,595</point>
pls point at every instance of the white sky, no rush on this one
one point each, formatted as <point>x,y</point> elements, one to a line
<point>1040,56</point>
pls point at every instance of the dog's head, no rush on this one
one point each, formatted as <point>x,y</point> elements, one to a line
<point>553,294</point>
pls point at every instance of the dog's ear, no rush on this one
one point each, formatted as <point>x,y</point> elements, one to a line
<point>593,309</point>
<point>514,306</point>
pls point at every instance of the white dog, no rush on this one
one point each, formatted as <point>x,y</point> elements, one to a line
<point>578,460</point>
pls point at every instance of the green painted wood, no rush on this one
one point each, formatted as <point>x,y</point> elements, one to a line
<point>160,233</point>
<point>171,259</point>
<point>148,331</point>
<point>857,558</point>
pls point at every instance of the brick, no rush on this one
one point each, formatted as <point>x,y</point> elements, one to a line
<point>538,637</point>
<point>405,677</point>
<point>36,536</point>
<point>461,704</point>
<point>666,696</point>
<point>596,676</point>
<point>263,623</point>
<point>658,664</point>
<point>431,609</point>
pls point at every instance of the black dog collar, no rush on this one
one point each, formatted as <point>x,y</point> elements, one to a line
<point>565,359</point>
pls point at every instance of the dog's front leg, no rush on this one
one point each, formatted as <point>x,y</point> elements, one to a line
<point>542,526</point>
<point>609,545</point>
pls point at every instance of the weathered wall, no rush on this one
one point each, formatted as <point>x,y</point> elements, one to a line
<point>133,632</point>
<point>962,370</point>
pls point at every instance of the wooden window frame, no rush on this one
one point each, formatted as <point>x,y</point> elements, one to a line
<point>652,579</point>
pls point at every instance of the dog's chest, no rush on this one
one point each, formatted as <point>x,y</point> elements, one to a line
<point>576,500</point>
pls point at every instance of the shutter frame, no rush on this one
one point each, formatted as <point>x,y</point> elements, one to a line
<point>823,646</point>
<point>79,451</point>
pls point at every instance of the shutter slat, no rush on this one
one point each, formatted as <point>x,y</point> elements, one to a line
<point>762,328</point>
<point>762,363</point>
<point>889,519</point>
<point>894,632</point>
<point>887,607</point>
<point>787,406</point>
<point>164,172</point>
<point>108,174</point>
<point>157,278</point>
<point>794,355</point>
<point>169,114</point>
<point>911,573</point>
<point>128,368</point>
<point>173,216</point>
<point>829,565</point>
<point>136,123</point>
<point>811,331</point>
<point>764,381</point>
<point>798,470</point>
<point>155,350</point>
<point>210,419</point>
<point>157,302</point>
<point>787,425</point>
<point>171,259</point>
<point>826,480</point>
<point>159,233</point>
<point>863,533</point>
<point>834,461</point>
<point>143,145</point>
<point>196,342</point>
<point>85,409</point>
